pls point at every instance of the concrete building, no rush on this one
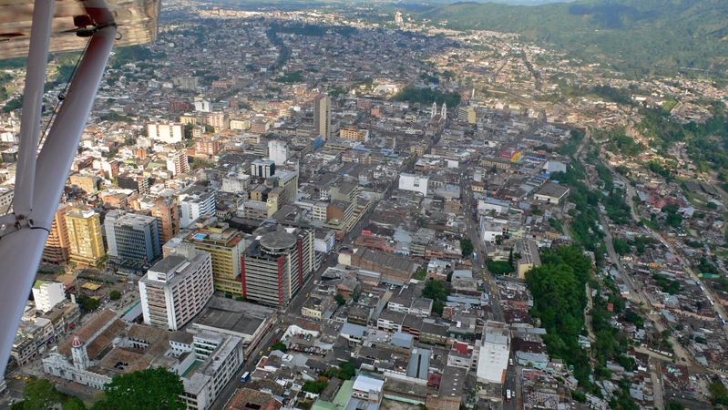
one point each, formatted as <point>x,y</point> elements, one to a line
<point>530,258</point>
<point>322,115</point>
<point>6,199</point>
<point>132,237</point>
<point>86,244</point>
<point>277,264</point>
<point>176,288</point>
<point>167,212</point>
<point>166,133</point>
<point>226,246</point>
<point>48,294</point>
<point>551,193</point>
<point>57,248</point>
<point>353,134</point>
<point>192,207</point>
<point>278,151</point>
<point>264,168</point>
<point>177,163</point>
<point>415,183</point>
<point>493,359</point>
<point>249,399</point>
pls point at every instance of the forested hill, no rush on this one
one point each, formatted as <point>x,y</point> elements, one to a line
<point>638,36</point>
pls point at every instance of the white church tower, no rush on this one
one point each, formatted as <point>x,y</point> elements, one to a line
<point>79,353</point>
<point>434,110</point>
<point>443,114</point>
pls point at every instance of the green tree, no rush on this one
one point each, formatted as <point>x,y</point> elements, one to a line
<point>718,392</point>
<point>466,245</point>
<point>621,246</point>
<point>315,387</point>
<point>438,292</point>
<point>148,389</point>
<point>340,300</point>
<point>88,303</point>
<point>114,295</point>
<point>73,403</point>
<point>279,346</point>
<point>39,394</point>
<point>499,267</point>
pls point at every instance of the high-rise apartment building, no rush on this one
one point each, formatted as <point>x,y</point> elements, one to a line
<point>226,246</point>
<point>48,294</point>
<point>322,115</point>
<point>167,133</point>
<point>176,288</point>
<point>57,248</point>
<point>277,264</point>
<point>166,210</point>
<point>177,163</point>
<point>132,238</point>
<point>86,244</point>
<point>192,207</point>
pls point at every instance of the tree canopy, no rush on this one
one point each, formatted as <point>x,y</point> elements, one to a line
<point>466,246</point>
<point>149,389</point>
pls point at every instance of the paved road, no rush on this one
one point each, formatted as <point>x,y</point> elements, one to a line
<point>251,360</point>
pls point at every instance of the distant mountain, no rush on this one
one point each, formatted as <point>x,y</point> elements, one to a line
<point>638,36</point>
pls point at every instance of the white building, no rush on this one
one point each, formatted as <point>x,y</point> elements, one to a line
<point>176,288</point>
<point>368,389</point>
<point>202,105</point>
<point>491,228</point>
<point>278,151</point>
<point>195,206</point>
<point>493,358</point>
<point>167,133</point>
<point>236,183</point>
<point>416,183</point>
<point>48,294</point>
<point>488,205</point>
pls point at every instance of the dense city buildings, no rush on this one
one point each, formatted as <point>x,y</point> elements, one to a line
<point>361,209</point>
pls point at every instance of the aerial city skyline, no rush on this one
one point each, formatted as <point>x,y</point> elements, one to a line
<point>377,205</point>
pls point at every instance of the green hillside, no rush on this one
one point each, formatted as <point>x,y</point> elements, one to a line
<point>636,36</point>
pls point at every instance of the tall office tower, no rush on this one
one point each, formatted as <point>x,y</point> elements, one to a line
<point>226,245</point>
<point>166,210</point>
<point>132,238</point>
<point>176,288</point>
<point>322,115</point>
<point>57,248</point>
<point>277,264</point>
<point>177,163</point>
<point>86,245</point>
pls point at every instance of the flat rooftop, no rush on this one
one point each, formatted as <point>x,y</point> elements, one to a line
<point>231,321</point>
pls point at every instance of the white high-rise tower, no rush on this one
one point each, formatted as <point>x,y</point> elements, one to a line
<point>434,110</point>
<point>443,114</point>
<point>79,353</point>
